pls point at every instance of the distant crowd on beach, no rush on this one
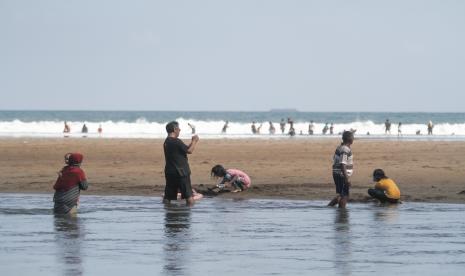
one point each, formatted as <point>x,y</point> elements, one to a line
<point>286,126</point>
<point>387,128</point>
<point>328,128</point>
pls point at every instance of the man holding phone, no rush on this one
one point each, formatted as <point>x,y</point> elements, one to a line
<point>177,170</point>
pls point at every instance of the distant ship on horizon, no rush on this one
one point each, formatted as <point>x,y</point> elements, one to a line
<point>288,110</point>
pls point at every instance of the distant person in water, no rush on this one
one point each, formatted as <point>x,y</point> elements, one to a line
<point>331,129</point>
<point>234,178</point>
<point>282,125</point>
<point>100,129</point>
<point>66,129</point>
<point>325,129</point>
<point>343,169</point>
<point>225,127</point>
<point>71,180</point>
<point>259,129</point>
<point>385,189</point>
<point>84,130</point>
<point>253,128</point>
<point>290,121</point>
<point>387,127</point>
<point>311,128</point>
<point>430,128</point>
<point>271,129</point>
<point>291,130</point>
<point>192,128</point>
<point>399,129</point>
<point>177,170</point>
<point>291,127</point>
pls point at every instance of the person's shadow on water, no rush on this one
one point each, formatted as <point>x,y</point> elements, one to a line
<point>68,238</point>
<point>342,242</point>
<point>177,240</point>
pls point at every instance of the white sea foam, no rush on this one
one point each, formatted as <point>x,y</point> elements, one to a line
<point>142,128</point>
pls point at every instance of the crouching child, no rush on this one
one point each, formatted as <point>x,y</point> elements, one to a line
<point>237,179</point>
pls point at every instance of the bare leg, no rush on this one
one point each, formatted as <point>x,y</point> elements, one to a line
<point>343,202</point>
<point>73,211</point>
<point>334,201</point>
<point>190,201</point>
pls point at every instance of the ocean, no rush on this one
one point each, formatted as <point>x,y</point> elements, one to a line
<point>151,124</point>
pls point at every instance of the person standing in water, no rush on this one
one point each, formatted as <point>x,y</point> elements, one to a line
<point>225,127</point>
<point>387,127</point>
<point>177,170</point>
<point>342,170</point>
<point>100,130</point>
<point>253,128</point>
<point>311,128</point>
<point>271,129</point>
<point>84,130</point>
<point>66,129</point>
<point>259,129</point>
<point>430,128</point>
<point>282,125</point>
<point>331,129</point>
<point>325,129</point>
<point>399,129</point>
<point>71,180</point>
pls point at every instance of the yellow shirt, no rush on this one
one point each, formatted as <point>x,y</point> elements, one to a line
<point>387,184</point>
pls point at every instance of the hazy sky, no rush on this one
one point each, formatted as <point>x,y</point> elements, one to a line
<point>233,55</point>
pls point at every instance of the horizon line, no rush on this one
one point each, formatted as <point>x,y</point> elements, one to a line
<point>272,110</point>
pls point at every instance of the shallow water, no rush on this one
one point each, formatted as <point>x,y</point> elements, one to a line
<point>139,236</point>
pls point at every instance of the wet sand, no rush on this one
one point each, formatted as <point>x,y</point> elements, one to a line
<point>430,171</point>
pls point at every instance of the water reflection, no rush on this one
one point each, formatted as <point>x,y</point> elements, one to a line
<point>387,213</point>
<point>177,240</point>
<point>68,237</point>
<point>343,243</point>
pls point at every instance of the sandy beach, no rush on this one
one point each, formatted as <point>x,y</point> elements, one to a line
<point>430,171</point>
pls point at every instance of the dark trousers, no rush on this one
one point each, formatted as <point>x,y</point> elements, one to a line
<point>381,196</point>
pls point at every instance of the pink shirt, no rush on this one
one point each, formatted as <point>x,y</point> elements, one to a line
<point>241,175</point>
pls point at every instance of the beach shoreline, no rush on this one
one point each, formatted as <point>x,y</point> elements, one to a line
<point>426,171</point>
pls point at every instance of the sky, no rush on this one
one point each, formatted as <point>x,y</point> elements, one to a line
<point>241,55</point>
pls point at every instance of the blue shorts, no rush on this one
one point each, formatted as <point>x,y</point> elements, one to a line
<point>341,185</point>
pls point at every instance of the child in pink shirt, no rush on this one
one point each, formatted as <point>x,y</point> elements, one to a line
<point>237,179</point>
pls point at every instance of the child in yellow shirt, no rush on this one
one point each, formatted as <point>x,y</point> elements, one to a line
<point>385,189</point>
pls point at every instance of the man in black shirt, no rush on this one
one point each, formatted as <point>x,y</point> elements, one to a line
<point>177,171</point>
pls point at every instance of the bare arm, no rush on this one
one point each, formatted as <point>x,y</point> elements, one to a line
<point>194,141</point>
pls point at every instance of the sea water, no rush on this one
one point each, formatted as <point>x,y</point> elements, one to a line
<point>116,235</point>
<point>151,124</point>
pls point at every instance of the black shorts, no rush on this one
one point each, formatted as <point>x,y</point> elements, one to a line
<point>341,185</point>
<point>175,184</point>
